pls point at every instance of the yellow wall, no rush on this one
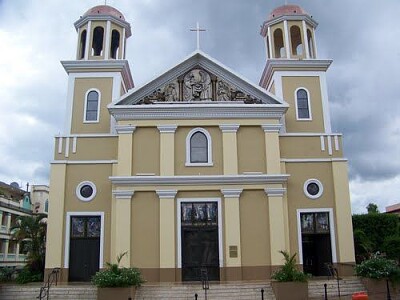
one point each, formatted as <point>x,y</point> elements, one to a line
<point>145,240</point>
<point>251,149</point>
<point>82,85</point>
<point>312,84</point>
<point>308,147</point>
<point>254,228</point>
<point>146,151</point>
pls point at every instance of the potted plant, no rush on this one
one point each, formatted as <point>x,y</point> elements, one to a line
<point>117,283</point>
<point>289,282</point>
<point>377,272</point>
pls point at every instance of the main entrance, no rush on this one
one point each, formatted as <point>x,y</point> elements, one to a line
<point>84,250</point>
<point>316,242</point>
<point>199,240</point>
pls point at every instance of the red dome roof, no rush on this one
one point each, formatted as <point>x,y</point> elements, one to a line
<point>287,10</point>
<point>104,10</point>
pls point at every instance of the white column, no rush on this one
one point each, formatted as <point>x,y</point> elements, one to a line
<point>305,39</point>
<point>107,43</point>
<point>271,54</point>
<point>287,45</point>
<point>88,36</point>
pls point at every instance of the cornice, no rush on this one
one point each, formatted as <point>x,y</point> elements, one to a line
<point>197,111</point>
<point>199,180</point>
<point>121,65</point>
<point>125,129</point>
<point>113,19</point>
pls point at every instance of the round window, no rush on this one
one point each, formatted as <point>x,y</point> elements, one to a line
<point>313,188</point>
<point>86,191</point>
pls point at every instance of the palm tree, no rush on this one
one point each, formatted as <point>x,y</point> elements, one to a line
<point>32,231</point>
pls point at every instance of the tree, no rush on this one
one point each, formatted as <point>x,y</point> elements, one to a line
<point>32,231</point>
<point>372,208</point>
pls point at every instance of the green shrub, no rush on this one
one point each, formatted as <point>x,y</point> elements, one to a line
<point>289,271</point>
<point>391,246</point>
<point>26,276</point>
<point>6,274</point>
<point>114,276</point>
<point>378,268</point>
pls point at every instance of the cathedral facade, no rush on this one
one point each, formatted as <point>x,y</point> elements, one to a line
<point>199,169</point>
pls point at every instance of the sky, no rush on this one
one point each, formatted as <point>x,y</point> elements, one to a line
<point>360,36</point>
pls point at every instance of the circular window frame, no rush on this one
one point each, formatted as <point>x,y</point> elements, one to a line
<point>318,183</point>
<point>78,191</point>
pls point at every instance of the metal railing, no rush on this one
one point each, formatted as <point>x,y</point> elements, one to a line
<point>51,278</point>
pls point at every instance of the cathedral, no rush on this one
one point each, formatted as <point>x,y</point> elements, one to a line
<point>198,170</point>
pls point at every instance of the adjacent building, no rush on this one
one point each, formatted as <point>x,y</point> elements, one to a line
<point>198,168</point>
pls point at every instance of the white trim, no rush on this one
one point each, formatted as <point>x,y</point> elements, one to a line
<point>167,128</point>
<point>309,105</point>
<point>332,231</point>
<point>320,186</point>
<point>60,144</point>
<point>315,42</point>
<point>305,44</point>
<point>271,127</point>
<point>322,143</point>
<point>287,48</point>
<point>88,38</point>
<point>74,139</point>
<point>107,40</point>
<point>67,147</point>
<point>69,104</point>
<point>309,134</point>
<point>325,103</point>
<point>200,180</point>
<point>329,138</point>
<point>179,230</point>
<point>231,193</point>
<point>83,162</point>
<point>98,105</point>
<point>68,230</point>
<point>123,43</point>
<point>125,129</point>
<point>123,194</point>
<point>271,192</point>
<point>336,139</point>
<point>166,194</point>
<point>209,162</point>
<point>88,135</point>
<point>117,80</point>
<point>78,191</point>
<point>229,128</point>
<point>312,160</point>
<point>270,43</point>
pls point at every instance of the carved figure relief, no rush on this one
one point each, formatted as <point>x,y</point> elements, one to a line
<point>223,91</point>
<point>171,92</point>
<point>197,86</point>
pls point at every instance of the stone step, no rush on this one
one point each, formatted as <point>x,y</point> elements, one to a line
<point>348,287</point>
<point>21,292</point>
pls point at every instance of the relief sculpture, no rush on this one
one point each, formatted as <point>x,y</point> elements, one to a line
<point>197,86</point>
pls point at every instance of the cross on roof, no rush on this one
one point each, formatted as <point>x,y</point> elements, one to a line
<point>198,29</point>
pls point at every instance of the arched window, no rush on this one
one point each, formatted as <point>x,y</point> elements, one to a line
<point>310,44</point>
<point>198,148</point>
<point>82,45</point>
<point>114,44</point>
<point>92,105</point>
<point>97,43</point>
<point>46,206</point>
<point>303,110</point>
<point>295,36</point>
<point>278,44</point>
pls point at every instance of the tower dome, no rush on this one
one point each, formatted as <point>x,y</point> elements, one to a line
<point>286,10</point>
<point>105,10</point>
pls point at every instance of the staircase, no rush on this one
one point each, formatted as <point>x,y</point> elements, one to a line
<point>31,292</point>
<point>348,286</point>
<point>221,291</point>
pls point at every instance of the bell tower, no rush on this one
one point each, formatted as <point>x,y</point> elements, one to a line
<point>293,71</point>
<point>99,75</point>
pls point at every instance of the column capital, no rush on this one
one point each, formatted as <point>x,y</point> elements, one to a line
<point>166,194</point>
<point>275,192</point>
<point>123,194</point>
<point>125,129</point>
<point>271,127</point>
<point>167,128</point>
<point>231,193</point>
<point>229,127</point>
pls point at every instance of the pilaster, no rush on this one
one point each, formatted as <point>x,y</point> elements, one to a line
<point>167,234</point>
<point>272,149</point>
<point>233,253</point>
<point>277,226</point>
<point>125,148</point>
<point>229,146</point>
<point>344,225</point>
<point>122,231</point>
<point>167,149</point>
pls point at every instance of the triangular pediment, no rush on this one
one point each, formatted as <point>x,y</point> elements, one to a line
<point>198,79</point>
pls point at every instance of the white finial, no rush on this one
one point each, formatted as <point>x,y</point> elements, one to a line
<point>198,29</point>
